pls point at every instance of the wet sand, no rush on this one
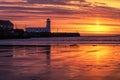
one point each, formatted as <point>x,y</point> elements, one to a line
<point>60,62</point>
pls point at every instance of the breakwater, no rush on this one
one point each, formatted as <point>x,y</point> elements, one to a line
<point>45,34</point>
<point>37,35</point>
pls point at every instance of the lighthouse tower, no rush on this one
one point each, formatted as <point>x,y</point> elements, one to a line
<point>48,25</point>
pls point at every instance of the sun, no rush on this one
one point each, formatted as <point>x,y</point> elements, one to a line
<point>98,28</point>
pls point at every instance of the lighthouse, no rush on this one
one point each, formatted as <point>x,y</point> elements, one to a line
<point>40,29</point>
<point>48,24</point>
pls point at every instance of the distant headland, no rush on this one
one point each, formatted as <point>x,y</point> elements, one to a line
<point>7,31</point>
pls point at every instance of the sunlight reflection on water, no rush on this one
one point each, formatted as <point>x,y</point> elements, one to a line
<point>61,62</point>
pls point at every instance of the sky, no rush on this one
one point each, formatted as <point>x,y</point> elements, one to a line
<point>88,17</point>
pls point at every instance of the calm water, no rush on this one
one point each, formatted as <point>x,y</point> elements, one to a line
<point>60,62</point>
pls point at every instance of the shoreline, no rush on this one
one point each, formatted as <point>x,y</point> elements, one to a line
<point>59,40</point>
<point>45,44</point>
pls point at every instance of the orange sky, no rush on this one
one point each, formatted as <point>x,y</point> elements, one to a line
<point>89,17</point>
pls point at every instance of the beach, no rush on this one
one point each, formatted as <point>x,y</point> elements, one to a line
<point>58,60</point>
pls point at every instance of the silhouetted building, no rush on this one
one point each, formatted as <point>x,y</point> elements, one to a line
<point>6,25</point>
<point>39,29</point>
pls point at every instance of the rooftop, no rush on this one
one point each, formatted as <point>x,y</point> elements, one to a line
<point>7,22</point>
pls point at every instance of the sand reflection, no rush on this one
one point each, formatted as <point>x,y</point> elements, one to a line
<point>62,62</point>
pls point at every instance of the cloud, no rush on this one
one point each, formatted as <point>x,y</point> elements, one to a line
<point>109,24</point>
<point>12,1</point>
<point>46,2</point>
<point>45,10</point>
<point>107,12</point>
<point>62,2</point>
<point>63,8</point>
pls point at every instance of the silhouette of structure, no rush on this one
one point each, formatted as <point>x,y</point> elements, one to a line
<point>39,29</point>
<point>7,31</point>
<point>46,32</point>
<point>6,25</point>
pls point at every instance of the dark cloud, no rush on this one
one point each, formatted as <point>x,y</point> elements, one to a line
<point>45,10</point>
<point>103,12</point>
<point>46,2</point>
<point>61,2</point>
<point>12,3</point>
<point>79,3</point>
<point>55,9</point>
<point>107,12</point>
<point>85,9</point>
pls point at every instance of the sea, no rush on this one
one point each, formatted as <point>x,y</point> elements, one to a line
<point>60,58</point>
